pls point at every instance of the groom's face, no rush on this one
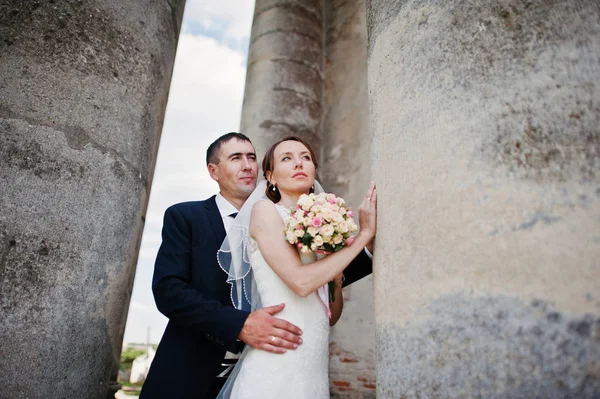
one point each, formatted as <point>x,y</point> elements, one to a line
<point>237,169</point>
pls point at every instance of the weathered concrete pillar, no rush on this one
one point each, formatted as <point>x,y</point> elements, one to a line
<point>345,170</point>
<point>284,79</point>
<point>83,87</point>
<point>485,118</point>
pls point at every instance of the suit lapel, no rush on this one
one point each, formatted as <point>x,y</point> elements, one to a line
<point>215,219</point>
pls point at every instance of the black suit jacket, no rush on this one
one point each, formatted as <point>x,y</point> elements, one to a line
<point>191,290</point>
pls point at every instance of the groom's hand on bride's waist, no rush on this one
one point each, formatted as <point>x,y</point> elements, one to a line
<point>264,331</point>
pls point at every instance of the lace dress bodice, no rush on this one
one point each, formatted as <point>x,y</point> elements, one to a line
<point>296,374</point>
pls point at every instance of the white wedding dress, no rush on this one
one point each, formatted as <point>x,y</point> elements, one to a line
<point>296,374</point>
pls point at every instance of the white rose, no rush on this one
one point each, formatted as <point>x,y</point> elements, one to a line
<point>327,230</point>
<point>299,233</point>
<point>343,227</point>
<point>312,230</point>
<point>337,239</point>
<point>290,237</point>
<point>318,240</point>
<point>305,202</point>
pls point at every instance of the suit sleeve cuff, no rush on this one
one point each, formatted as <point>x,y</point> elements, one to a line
<point>233,343</point>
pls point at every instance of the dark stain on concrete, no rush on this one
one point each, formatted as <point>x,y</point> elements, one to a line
<point>491,347</point>
<point>70,34</point>
<point>555,149</point>
<point>29,155</point>
<point>31,267</point>
<point>538,217</point>
<point>550,129</point>
<point>535,219</point>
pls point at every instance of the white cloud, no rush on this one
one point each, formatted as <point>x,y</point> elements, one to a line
<point>233,17</point>
<point>204,102</point>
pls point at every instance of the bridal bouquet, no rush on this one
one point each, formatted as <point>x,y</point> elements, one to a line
<point>321,223</point>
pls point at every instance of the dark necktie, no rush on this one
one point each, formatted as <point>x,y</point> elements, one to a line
<point>233,215</point>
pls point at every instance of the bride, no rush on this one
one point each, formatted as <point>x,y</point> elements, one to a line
<point>264,270</point>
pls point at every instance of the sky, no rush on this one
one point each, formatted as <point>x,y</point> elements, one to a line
<point>205,102</point>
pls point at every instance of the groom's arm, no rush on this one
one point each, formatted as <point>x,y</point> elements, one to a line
<point>178,300</point>
<point>360,267</point>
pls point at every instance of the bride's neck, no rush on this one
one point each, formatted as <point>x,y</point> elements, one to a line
<point>289,200</point>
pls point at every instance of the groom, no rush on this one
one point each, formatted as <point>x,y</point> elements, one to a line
<point>191,290</point>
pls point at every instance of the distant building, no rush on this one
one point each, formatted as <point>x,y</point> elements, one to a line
<point>141,365</point>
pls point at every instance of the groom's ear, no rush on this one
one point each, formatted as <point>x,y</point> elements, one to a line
<point>212,171</point>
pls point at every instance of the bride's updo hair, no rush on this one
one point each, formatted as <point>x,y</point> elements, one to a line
<point>269,162</point>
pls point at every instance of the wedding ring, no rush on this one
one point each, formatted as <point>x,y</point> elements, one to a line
<point>368,198</point>
<point>273,340</point>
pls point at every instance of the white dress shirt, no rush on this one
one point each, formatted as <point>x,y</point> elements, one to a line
<point>225,209</point>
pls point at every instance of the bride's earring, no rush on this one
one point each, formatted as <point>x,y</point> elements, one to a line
<point>274,187</point>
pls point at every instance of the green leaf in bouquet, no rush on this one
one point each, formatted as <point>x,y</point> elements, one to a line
<point>332,247</point>
<point>307,239</point>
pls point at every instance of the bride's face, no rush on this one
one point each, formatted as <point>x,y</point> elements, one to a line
<point>293,168</point>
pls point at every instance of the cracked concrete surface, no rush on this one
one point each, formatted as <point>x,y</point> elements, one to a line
<point>84,86</point>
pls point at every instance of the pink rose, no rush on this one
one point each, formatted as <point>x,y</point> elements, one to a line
<point>331,200</point>
<point>300,227</point>
<point>350,214</point>
<point>317,222</point>
<point>299,245</point>
<point>349,240</point>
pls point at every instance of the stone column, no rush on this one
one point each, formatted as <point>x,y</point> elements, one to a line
<point>345,170</point>
<point>284,79</point>
<point>84,86</point>
<point>485,118</point>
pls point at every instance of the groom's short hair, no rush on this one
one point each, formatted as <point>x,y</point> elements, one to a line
<point>212,153</point>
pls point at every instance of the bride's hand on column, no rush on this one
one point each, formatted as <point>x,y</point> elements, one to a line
<point>367,213</point>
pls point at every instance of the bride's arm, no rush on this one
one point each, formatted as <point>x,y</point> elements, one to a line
<point>266,227</point>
